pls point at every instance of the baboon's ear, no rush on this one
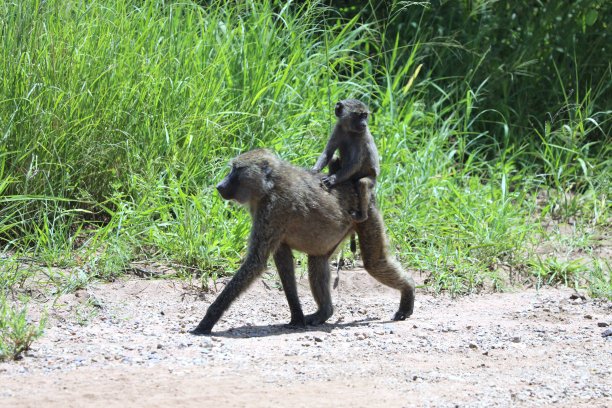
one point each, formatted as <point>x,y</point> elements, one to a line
<point>267,171</point>
<point>338,109</point>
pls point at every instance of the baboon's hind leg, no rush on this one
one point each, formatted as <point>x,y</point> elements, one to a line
<point>381,265</point>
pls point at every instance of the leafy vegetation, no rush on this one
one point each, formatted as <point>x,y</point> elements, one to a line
<point>117,117</point>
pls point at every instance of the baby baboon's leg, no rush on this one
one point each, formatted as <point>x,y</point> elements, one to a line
<point>318,276</point>
<point>379,263</point>
<point>365,188</point>
<point>283,258</point>
<point>333,167</point>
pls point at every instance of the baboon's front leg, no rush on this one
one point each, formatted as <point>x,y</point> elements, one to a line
<point>261,243</point>
<point>318,277</point>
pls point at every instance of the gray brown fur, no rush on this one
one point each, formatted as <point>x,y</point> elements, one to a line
<point>358,159</point>
<point>290,210</point>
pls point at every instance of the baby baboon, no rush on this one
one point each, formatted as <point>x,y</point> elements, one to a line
<point>290,210</point>
<point>358,154</point>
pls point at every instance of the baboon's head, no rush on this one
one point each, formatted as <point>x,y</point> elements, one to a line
<point>250,177</point>
<point>352,115</point>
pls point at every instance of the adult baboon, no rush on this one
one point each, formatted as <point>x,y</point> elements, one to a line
<point>290,210</point>
<point>358,159</point>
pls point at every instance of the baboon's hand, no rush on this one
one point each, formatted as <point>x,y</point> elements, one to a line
<point>329,181</point>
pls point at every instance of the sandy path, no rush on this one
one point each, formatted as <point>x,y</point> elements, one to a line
<point>527,348</point>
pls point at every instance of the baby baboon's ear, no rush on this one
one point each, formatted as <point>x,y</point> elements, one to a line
<point>338,109</point>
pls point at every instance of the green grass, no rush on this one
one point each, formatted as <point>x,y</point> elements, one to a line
<point>17,333</point>
<point>118,117</point>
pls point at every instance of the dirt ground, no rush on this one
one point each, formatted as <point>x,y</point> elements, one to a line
<point>127,344</point>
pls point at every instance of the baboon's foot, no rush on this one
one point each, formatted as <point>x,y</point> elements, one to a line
<point>318,317</point>
<point>406,306</point>
<point>358,216</point>
<point>200,331</point>
<point>296,323</point>
<point>401,315</point>
<point>292,326</point>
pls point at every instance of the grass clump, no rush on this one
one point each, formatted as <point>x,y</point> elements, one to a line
<point>17,333</point>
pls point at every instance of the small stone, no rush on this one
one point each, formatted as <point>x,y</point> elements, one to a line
<point>602,324</point>
<point>589,317</point>
<point>607,333</point>
<point>516,339</point>
<point>473,345</point>
<point>318,339</point>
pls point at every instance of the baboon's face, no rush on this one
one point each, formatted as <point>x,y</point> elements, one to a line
<point>353,115</point>
<point>230,187</point>
<point>249,179</point>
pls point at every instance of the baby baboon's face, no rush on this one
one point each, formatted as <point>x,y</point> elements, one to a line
<point>353,115</point>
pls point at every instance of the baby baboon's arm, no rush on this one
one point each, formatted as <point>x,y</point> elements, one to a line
<point>330,148</point>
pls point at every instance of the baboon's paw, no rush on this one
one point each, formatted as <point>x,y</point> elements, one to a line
<point>200,331</point>
<point>316,319</point>
<point>401,315</point>
<point>296,324</point>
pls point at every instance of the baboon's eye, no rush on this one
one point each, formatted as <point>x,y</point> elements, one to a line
<point>236,171</point>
